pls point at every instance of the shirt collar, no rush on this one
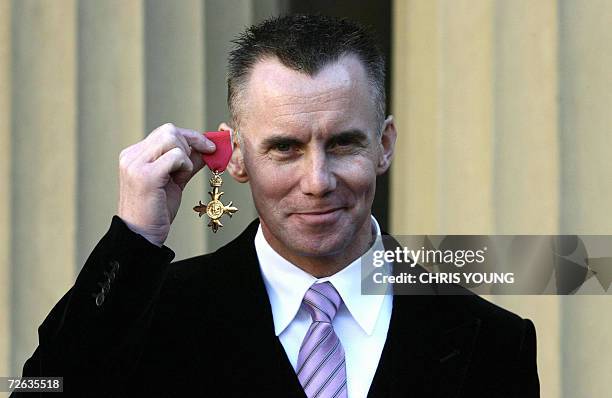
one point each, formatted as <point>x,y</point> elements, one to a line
<point>286,285</point>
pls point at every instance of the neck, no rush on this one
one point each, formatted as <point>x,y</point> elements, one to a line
<point>326,265</point>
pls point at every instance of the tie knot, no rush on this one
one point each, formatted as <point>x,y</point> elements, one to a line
<point>322,301</point>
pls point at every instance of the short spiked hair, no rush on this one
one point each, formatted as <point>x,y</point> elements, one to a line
<point>305,43</point>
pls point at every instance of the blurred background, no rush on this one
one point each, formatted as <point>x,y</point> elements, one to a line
<point>504,112</point>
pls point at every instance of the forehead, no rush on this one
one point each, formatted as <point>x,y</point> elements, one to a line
<point>273,78</point>
<point>280,97</point>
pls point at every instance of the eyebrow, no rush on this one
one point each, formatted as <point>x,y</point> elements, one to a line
<point>279,139</point>
<point>353,134</point>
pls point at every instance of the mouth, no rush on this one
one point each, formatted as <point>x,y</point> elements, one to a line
<point>320,216</point>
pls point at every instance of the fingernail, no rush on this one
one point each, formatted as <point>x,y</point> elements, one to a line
<point>211,145</point>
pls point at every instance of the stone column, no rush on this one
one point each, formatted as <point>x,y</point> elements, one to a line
<point>442,98</point>
<point>526,157</point>
<point>586,185</point>
<point>174,65</point>
<point>44,164</point>
<point>110,108</point>
<point>465,155</point>
<point>5,186</point>
<point>415,105</point>
<point>474,95</point>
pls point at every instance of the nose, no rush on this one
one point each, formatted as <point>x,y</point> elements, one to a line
<point>317,177</point>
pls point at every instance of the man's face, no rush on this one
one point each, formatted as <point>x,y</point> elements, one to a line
<point>311,152</point>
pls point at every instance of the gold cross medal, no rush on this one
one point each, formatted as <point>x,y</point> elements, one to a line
<point>217,162</point>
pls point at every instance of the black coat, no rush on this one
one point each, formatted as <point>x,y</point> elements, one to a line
<point>204,326</point>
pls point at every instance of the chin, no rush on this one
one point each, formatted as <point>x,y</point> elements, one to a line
<point>319,242</point>
<point>317,249</point>
<point>315,239</point>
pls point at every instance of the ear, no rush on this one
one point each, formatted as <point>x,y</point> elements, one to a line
<point>387,146</point>
<point>236,164</point>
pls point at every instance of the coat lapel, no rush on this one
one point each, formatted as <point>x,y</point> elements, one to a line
<point>427,352</point>
<point>429,343</point>
<point>269,371</point>
<point>454,355</point>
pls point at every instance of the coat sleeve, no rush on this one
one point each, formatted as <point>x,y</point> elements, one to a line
<point>528,384</point>
<point>92,337</point>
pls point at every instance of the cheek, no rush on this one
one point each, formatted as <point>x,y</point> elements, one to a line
<point>359,176</point>
<point>269,182</point>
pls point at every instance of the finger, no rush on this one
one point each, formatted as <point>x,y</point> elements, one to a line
<point>174,162</point>
<point>197,140</point>
<point>197,162</point>
<point>162,140</point>
<point>181,178</point>
<point>127,156</point>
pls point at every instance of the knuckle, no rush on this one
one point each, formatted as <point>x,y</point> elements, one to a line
<point>175,155</point>
<point>163,129</point>
<point>132,173</point>
<point>182,160</point>
<point>125,157</point>
<point>168,127</point>
<point>166,139</point>
<point>177,152</point>
<point>188,165</point>
<point>171,139</point>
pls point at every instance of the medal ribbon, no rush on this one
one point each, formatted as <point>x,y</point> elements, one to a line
<point>218,160</point>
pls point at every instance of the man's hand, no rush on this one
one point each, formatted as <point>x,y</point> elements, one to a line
<point>152,176</point>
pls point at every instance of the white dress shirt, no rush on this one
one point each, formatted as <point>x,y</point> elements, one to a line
<point>361,323</point>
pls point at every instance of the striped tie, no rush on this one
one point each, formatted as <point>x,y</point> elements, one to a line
<point>321,366</point>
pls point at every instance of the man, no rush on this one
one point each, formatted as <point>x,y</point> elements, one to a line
<point>278,312</point>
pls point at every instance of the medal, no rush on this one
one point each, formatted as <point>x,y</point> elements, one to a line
<point>217,162</point>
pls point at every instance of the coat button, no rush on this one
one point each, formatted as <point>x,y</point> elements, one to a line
<point>99,299</point>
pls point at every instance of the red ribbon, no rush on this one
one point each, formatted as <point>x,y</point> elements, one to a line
<point>218,160</point>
